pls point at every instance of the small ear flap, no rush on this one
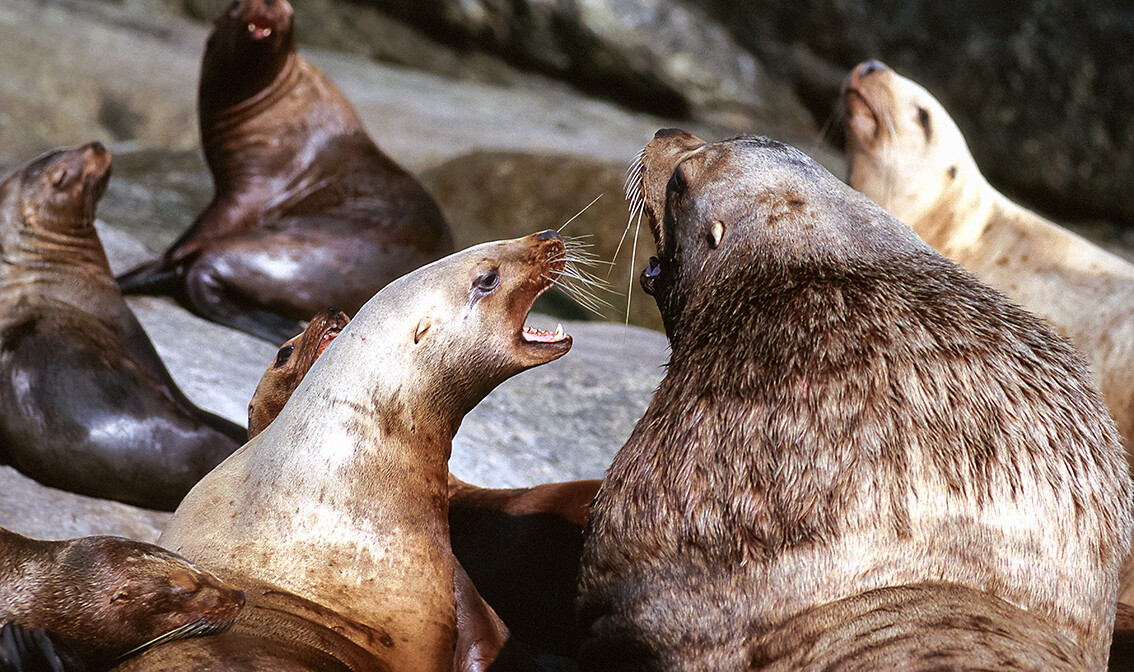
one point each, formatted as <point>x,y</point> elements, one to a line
<point>422,326</point>
<point>716,234</point>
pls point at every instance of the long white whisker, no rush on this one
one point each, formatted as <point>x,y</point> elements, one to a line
<point>579,213</point>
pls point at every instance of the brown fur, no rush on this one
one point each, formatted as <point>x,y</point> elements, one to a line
<point>292,362</point>
<point>924,627</point>
<point>930,181</point>
<point>308,211</point>
<point>843,410</point>
<point>86,404</point>
<point>103,597</point>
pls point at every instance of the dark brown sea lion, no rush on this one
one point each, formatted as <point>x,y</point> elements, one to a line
<point>103,598</point>
<point>843,410</point>
<point>307,212</point>
<point>333,519</point>
<point>907,154</point>
<point>86,405</point>
<point>520,546</point>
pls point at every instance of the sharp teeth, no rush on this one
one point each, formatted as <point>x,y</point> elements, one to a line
<point>559,330</point>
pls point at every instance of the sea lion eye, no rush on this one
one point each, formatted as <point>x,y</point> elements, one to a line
<point>487,282</point>
<point>677,184</point>
<point>59,178</point>
<point>923,119</point>
<point>283,355</point>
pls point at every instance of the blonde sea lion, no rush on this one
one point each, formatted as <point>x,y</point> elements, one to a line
<point>333,519</point>
<point>520,546</point>
<point>843,410</point>
<point>907,154</point>
<point>308,212</point>
<point>86,404</point>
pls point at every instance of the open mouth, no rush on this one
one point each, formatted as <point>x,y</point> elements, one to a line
<point>325,341</point>
<point>557,342</point>
<point>259,28</point>
<point>862,120</point>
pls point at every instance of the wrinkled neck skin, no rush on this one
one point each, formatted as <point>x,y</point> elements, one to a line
<point>342,500</point>
<point>37,264</point>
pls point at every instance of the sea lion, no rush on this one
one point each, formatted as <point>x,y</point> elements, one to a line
<point>101,598</point>
<point>907,154</point>
<point>293,360</point>
<point>86,404</point>
<point>307,211</point>
<point>333,519</point>
<point>843,410</point>
<point>520,546</point>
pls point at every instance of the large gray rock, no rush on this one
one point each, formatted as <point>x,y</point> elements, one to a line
<point>1043,90</point>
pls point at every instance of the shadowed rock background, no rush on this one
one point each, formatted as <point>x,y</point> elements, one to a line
<point>516,114</point>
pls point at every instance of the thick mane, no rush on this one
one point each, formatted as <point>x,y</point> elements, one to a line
<point>804,386</point>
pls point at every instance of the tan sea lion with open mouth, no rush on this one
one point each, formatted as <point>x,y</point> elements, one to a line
<point>843,410</point>
<point>86,404</point>
<point>907,154</point>
<point>333,519</point>
<point>103,598</point>
<point>308,212</point>
<point>520,546</point>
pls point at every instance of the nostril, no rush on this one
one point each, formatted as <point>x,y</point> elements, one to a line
<point>872,66</point>
<point>667,132</point>
<point>549,234</point>
<point>97,146</point>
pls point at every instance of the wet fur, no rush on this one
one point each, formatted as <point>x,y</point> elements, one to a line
<point>101,598</point>
<point>843,410</point>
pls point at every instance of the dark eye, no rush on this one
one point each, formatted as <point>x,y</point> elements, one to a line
<point>283,355</point>
<point>487,282</point>
<point>677,183</point>
<point>923,119</point>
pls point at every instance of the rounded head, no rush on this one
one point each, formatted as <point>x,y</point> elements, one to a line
<point>712,206</point>
<point>451,331</point>
<point>117,595</point>
<point>57,192</point>
<point>903,148</point>
<point>293,361</point>
<point>250,44</point>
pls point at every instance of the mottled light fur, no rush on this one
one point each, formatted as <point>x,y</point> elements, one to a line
<point>843,410</point>
<point>342,499</point>
<point>907,154</point>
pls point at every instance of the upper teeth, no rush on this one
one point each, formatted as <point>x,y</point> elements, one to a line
<point>558,330</point>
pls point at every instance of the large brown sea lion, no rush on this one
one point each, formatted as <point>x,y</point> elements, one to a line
<point>102,598</point>
<point>907,154</point>
<point>333,519</point>
<point>520,546</point>
<point>86,405</point>
<point>843,410</point>
<point>307,211</point>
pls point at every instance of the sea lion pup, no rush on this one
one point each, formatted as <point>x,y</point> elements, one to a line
<point>333,519</point>
<point>307,211</point>
<point>520,546</point>
<point>843,410</point>
<point>86,404</point>
<point>293,360</point>
<point>907,154</point>
<point>102,598</point>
